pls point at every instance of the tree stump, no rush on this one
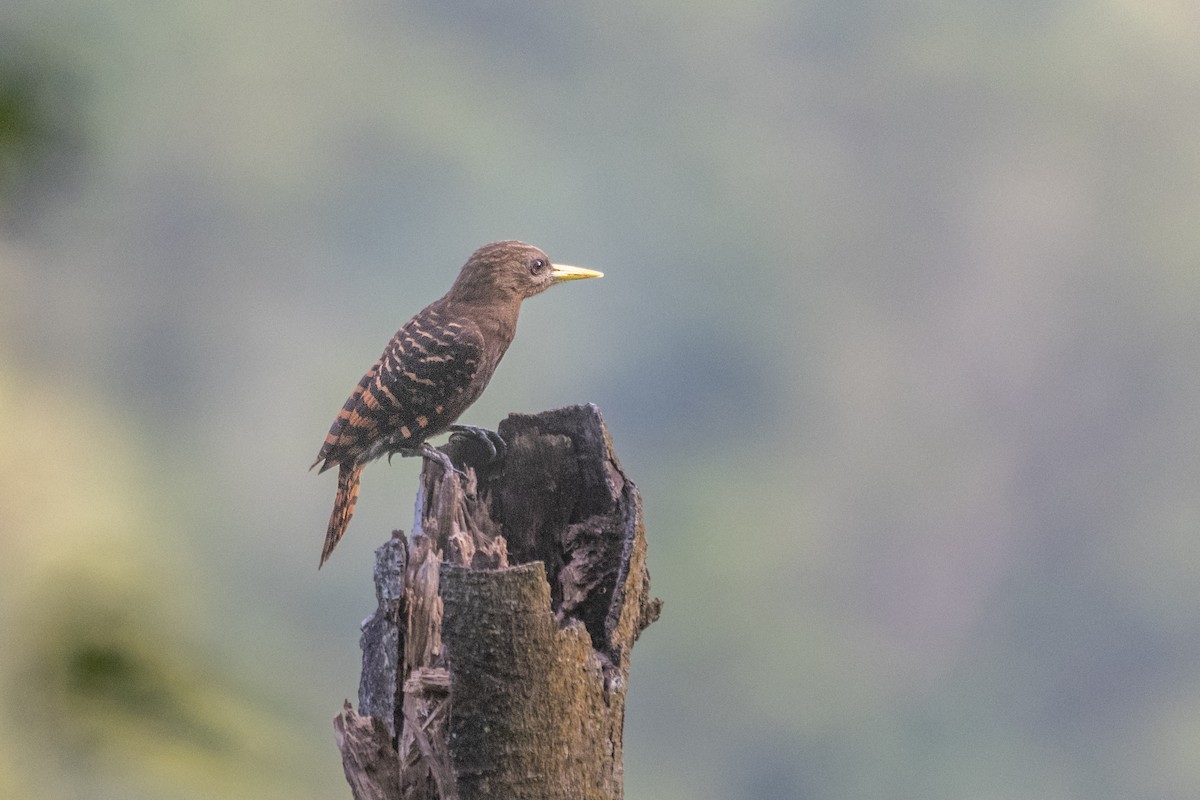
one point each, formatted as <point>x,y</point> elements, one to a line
<point>497,662</point>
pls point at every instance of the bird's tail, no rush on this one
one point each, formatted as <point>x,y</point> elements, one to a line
<point>343,507</point>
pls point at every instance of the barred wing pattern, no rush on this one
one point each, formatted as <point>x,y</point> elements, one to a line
<point>427,376</point>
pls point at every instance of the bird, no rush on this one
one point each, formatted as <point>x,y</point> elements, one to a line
<point>435,366</point>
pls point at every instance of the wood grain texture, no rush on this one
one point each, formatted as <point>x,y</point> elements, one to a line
<point>524,589</point>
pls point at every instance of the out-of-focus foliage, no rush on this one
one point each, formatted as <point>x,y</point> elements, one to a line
<point>41,127</point>
<point>106,685</point>
<point>897,336</point>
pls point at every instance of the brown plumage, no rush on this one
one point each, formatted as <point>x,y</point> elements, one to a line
<point>434,367</point>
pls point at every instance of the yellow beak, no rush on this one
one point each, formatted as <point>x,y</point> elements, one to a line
<point>563,272</point>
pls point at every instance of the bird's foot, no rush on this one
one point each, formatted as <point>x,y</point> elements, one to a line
<point>491,440</point>
<point>426,450</point>
<point>429,451</point>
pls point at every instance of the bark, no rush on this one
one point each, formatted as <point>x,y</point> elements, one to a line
<point>497,662</point>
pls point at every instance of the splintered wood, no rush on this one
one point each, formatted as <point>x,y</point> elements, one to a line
<point>497,662</point>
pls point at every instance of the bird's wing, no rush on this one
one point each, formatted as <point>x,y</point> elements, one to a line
<point>422,382</point>
<point>330,450</point>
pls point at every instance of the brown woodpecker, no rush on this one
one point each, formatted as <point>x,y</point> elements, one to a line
<point>434,367</point>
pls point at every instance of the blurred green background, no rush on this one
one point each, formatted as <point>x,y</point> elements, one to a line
<point>899,338</point>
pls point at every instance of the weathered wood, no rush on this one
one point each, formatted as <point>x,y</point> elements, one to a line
<point>369,759</point>
<point>532,718</point>
<point>491,680</point>
<point>382,640</point>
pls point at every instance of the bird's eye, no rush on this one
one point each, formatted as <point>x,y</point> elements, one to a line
<point>537,265</point>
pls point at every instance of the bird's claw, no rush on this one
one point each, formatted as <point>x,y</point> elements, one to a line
<point>429,451</point>
<point>426,450</point>
<point>495,444</point>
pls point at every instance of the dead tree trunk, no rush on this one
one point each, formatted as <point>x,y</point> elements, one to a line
<point>497,662</point>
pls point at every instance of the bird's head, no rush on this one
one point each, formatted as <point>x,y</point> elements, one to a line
<point>509,272</point>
